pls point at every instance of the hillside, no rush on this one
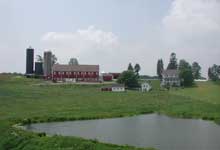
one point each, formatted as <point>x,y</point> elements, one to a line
<point>25,100</point>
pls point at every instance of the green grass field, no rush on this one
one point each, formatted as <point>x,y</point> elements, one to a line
<point>24,100</point>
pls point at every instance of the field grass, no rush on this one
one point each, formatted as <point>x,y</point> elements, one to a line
<point>204,91</point>
<point>26,100</point>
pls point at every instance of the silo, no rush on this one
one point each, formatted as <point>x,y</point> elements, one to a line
<point>29,60</point>
<point>38,68</point>
<point>47,63</point>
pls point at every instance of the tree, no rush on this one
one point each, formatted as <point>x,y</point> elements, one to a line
<point>130,67</point>
<point>173,62</point>
<point>187,77</point>
<point>159,68</point>
<point>73,61</point>
<point>196,69</point>
<point>218,69</point>
<point>137,68</point>
<point>183,64</point>
<point>210,73</point>
<point>39,58</point>
<point>214,72</point>
<point>185,73</point>
<point>54,59</point>
<point>129,79</point>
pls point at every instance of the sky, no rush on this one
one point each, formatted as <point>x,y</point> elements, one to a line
<point>111,33</point>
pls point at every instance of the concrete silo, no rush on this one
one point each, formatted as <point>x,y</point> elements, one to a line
<point>47,67</point>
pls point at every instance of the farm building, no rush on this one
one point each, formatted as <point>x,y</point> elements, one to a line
<point>170,78</point>
<point>115,75</point>
<point>47,65</point>
<point>39,68</point>
<point>114,88</point>
<point>29,61</point>
<point>107,77</point>
<point>145,87</point>
<point>74,73</point>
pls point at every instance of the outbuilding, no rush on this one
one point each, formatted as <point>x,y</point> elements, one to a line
<point>114,88</point>
<point>107,77</point>
<point>74,73</point>
<point>145,87</point>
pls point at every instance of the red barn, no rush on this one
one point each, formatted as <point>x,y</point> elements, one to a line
<point>107,77</point>
<point>87,73</point>
<point>115,75</point>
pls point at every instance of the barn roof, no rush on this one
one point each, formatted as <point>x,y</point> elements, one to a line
<point>106,74</point>
<point>92,68</point>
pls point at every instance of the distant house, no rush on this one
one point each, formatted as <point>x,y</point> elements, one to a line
<point>170,77</point>
<point>114,88</point>
<point>74,73</point>
<point>145,87</point>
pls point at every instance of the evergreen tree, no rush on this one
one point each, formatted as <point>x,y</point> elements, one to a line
<point>210,73</point>
<point>196,69</point>
<point>160,68</point>
<point>137,68</point>
<point>173,62</point>
<point>130,67</point>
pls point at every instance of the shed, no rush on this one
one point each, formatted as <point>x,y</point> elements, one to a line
<point>145,87</point>
<point>114,88</point>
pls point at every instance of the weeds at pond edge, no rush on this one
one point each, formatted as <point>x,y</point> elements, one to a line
<point>27,121</point>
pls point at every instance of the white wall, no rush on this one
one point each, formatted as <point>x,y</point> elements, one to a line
<point>118,89</point>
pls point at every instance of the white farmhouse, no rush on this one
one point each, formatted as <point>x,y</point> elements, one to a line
<point>145,87</point>
<point>170,77</point>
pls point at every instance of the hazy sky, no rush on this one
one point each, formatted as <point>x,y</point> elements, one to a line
<point>111,33</point>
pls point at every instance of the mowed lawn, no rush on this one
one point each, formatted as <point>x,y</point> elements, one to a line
<point>27,100</point>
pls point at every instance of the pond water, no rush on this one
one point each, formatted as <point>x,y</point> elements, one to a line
<point>153,130</point>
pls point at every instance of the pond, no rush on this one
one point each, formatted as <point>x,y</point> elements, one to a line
<point>153,130</point>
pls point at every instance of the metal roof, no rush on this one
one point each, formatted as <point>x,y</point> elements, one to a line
<point>79,68</point>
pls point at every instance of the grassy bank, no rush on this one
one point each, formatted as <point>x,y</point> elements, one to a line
<point>26,100</point>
